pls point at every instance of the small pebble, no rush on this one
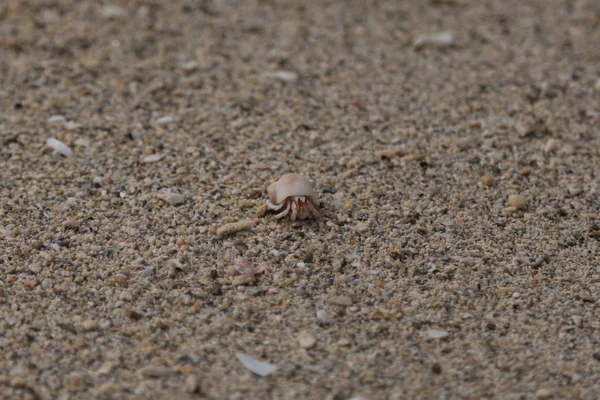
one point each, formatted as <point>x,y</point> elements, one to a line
<point>517,201</point>
<point>113,12</point>
<point>551,145</point>
<point>306,340</point>
<point>18,382</point>
<point>57,118</point>
<point>35,268</point>
<point>323,317</point>
<point>174,199</point>
<point>283,76</point>
<point>164,120</point>
<point>89,325</point>
<point>437,334</point>
<point>191,384</point>
<point>440,40</point>
<point>133,314</point>
<point>147,272</point>
<point>577,320</point>
<point>76,381</point>
<point>487,181</point>
<point>341,301</point>
<point>544,394</point>
<point>153,158</point>
<point>156,372</point>
<point>59,147</point>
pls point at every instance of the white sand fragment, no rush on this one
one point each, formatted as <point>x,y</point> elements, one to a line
<point>437,334</point>
<point>57,118</point>
<point>59,147</point>
<point>153,158</point>
<point>283,76</point>
<point>440,39</point>
<point>256,367</point>
<point>113,12</point>
<point>164,120</point>
<point>174,199</point>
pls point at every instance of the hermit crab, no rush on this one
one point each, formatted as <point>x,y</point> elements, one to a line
<point>293,193</point>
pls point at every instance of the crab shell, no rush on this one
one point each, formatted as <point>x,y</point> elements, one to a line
<point>291,185</point>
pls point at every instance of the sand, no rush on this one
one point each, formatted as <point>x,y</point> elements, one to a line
<point>453,145</point>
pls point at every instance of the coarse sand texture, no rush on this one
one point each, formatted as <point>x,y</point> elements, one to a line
<point>453,251</point>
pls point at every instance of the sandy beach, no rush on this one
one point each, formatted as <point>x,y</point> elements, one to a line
<point>454,148</point>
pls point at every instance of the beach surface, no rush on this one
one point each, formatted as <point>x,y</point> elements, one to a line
<point>454,147</point>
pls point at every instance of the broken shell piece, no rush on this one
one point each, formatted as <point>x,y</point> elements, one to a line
<point>243,267</point>
<point>174,199</point>
<point>293,193</point>
<point>257,367</point>
<point>59,147</point>
<point>440,39</point>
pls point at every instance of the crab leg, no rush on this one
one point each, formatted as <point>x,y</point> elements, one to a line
<point>312,209</point>
<point>283,213</point>
<point>294,207</point>
<point>275,207</point>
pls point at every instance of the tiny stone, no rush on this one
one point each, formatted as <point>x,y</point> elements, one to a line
<point>191,384</point>
<point>516,295</point>
<point>89,325</point>
<point>323,317</point>
<point>437,334</point>
<point>441,39</point>
<point>487,181</point>
<point>174,199</point>
<point>109,389</point>
<point>544,394</point>
<point>577,320</point>
<point>283,76</point>
<point>516,201</point>
<point>133,314</point>
<point>341,300</point>
<point>551,145</point>
<point>588,298</point>
<point>36,245</point>
<point>125,296</point>
<point>113,12</point>
<point>153,158</point>
<point>18,382</point>
<point>59,147</point>
<point>436,369</point>
<point>76,382</point>
<point>147,272</point>
<point>156,372</point>
<point>164,120</point>
<point>306,340</point>
<point>35,268</point>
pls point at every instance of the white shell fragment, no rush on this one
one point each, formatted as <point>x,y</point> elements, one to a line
<point>174,199</point>
<point>59,147</point>
<point>256,367</point>
<point>57,118</point>
<point>437,334</point>
<point>153,158</point>
<point>440,39</point>
<point>164,120</point>
<point>283,76</point>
